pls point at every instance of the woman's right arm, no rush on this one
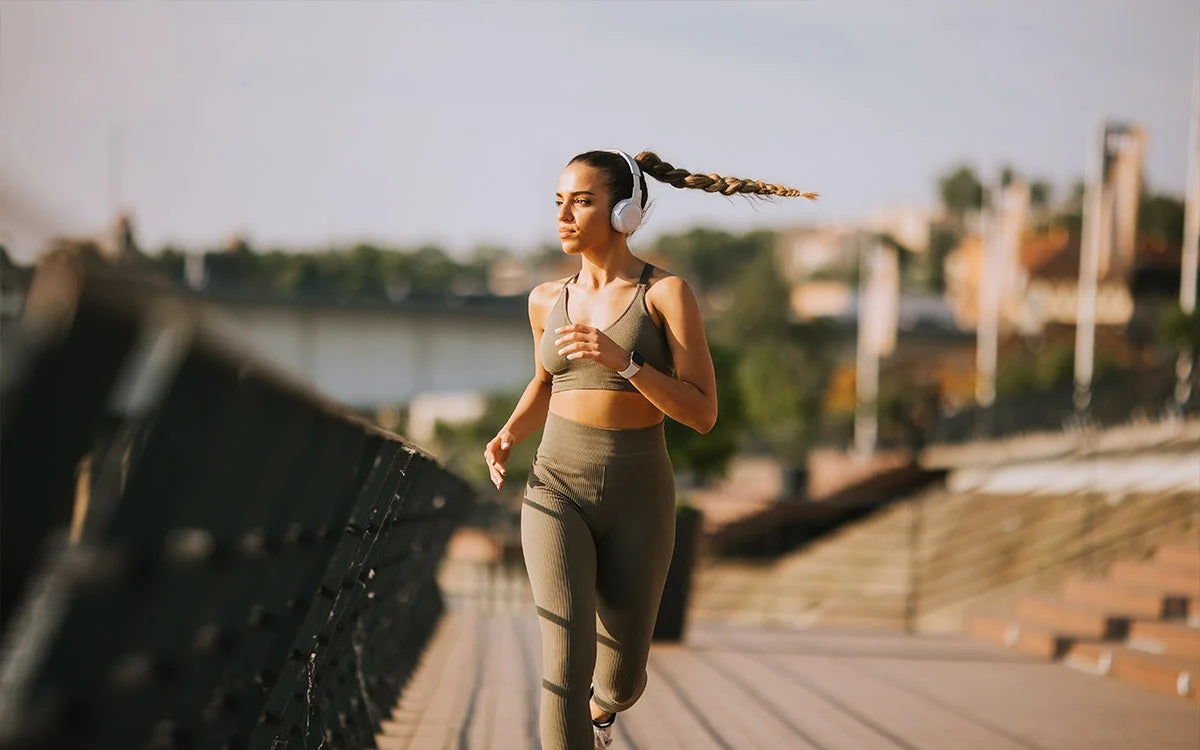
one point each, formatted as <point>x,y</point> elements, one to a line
<point>530,412</point>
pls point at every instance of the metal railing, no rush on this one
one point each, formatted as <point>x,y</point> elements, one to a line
<point>196,551</point>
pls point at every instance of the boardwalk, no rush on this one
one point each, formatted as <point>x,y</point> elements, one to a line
<point>740,688</point>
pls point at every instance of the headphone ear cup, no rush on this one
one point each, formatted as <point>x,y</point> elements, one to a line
<point>626,216</point>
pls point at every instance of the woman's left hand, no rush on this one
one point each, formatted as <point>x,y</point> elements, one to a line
<point>585,342</point>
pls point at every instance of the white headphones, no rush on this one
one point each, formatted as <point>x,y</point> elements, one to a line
<point>627,213</point>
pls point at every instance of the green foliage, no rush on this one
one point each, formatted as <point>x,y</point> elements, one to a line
<point>708,456</point>
<point>1161,217</point>
<point>461,445</point>
<point>364,272</point>
<point>760,308</point>
<point>778,372</point>
<point>943,239</point>
<point>1023,372</point>
<point>961,191</point>
<point>1040,192</point>
<point>710,258</point>
<point>1179,330</point>
<point>778,407</point>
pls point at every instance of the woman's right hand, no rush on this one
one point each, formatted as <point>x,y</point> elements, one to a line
<point>496,455</point>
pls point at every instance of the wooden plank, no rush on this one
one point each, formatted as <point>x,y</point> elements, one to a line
<point>432,709</point>
<point>732,687</point>
<point>1047,704</point>
<point>901,716</point>
<point>818,722</point>
<point>735,714</point>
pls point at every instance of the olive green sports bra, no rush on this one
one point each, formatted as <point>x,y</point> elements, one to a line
<point>634,331</point>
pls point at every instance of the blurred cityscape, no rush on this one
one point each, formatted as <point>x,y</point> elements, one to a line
<point>438,347</point>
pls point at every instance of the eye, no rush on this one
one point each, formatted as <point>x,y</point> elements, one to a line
<point>557,202</point>
<point>583,201</point>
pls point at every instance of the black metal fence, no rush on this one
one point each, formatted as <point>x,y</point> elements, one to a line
<point>196,552</point>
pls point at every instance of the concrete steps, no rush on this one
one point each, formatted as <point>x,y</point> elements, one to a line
<point>1154,574</point>
<point>1027,638</point>
<point>1176,638</point>
<point>1127,598</point>
<point>1132,625</point>
<point>1168,675</point>
<point>1179,556</point>
<point>1072,619</point>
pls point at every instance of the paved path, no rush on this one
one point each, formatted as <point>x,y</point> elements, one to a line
<point>742,688</point>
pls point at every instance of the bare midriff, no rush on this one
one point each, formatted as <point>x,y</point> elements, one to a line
<point>620,410</point>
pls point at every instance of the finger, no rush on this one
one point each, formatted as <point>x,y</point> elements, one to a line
<point>573,328</point>
<point>572,350</point>
<point>571,337</point>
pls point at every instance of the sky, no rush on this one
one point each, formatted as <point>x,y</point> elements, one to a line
<point>302,125</point>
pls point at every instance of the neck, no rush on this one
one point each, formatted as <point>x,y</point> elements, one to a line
<point>611,263</point>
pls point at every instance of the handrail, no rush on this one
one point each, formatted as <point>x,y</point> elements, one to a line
<point>198,549</point>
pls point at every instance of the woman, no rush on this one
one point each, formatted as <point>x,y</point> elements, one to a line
<point>616,346</point>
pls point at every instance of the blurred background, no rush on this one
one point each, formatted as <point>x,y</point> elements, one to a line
<point>993,300</point>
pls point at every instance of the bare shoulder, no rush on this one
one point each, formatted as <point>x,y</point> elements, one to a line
<point>542,298</point>
<point>668,290</point>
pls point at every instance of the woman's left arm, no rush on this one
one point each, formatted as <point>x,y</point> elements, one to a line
<point>691,396</point>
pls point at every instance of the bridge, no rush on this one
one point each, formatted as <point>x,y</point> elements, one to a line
<point>200,551</point>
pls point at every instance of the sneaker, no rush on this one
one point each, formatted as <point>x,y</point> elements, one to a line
<point>602,735</point>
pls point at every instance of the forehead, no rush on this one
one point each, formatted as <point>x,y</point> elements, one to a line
<point>577,178</point>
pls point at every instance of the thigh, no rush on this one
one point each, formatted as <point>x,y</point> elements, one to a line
<point>633,557</point>
<point>560,558</point>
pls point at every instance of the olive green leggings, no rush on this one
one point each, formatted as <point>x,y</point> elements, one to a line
<point>597,533</point>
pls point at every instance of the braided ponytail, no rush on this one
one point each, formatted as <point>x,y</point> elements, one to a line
<point>660,170</point>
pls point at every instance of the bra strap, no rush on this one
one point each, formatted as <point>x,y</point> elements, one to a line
<point>645,277</point>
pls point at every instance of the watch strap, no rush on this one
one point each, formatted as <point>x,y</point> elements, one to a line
<point>635,364</point>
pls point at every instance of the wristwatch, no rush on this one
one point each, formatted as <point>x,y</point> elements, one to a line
<point>636,361</point>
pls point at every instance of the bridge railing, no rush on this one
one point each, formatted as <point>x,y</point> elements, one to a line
<point>197,552</point>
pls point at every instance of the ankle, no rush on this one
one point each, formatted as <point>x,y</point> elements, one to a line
<point>600,717</point>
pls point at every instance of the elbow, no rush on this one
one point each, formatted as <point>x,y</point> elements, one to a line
<point>705,425</point>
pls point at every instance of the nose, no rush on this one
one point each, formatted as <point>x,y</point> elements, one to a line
<point>564,212</point>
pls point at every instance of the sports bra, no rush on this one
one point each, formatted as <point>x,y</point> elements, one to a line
<point>633,330</point>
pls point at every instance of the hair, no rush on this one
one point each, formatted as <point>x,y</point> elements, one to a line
<point>619,179</point>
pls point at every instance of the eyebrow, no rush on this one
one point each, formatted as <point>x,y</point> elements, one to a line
<point>581,192</point>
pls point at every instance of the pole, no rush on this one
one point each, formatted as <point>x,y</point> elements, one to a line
<point>866,379</point>
<point>987,337</point>
<point>1190,255</point>
<point>1089,265</point>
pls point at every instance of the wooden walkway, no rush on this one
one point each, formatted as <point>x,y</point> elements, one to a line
<point>737,688</point>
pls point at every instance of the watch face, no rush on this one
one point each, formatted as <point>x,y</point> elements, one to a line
<point>638,359</point>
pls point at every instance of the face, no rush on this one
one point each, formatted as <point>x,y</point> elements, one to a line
<point>583,209</point>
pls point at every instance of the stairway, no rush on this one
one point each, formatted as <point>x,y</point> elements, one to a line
<point>1140,623</point>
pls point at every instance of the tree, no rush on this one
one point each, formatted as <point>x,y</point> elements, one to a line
<point>961,191</point>
<point>710,258</point>
<point>708,456</point>
<point>1039,194</point>
<point>1161,217</point>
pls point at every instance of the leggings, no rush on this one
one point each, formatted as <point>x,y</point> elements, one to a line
<point>597,533</point>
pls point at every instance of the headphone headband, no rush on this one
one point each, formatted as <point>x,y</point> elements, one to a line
<point>637,177</point>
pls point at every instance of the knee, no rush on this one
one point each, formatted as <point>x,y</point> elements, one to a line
<point>622,695</point>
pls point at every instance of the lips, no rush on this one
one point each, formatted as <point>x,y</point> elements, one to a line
<point>565,233</point>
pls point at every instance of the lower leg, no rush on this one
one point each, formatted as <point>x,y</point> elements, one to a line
<point>599,715</point>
